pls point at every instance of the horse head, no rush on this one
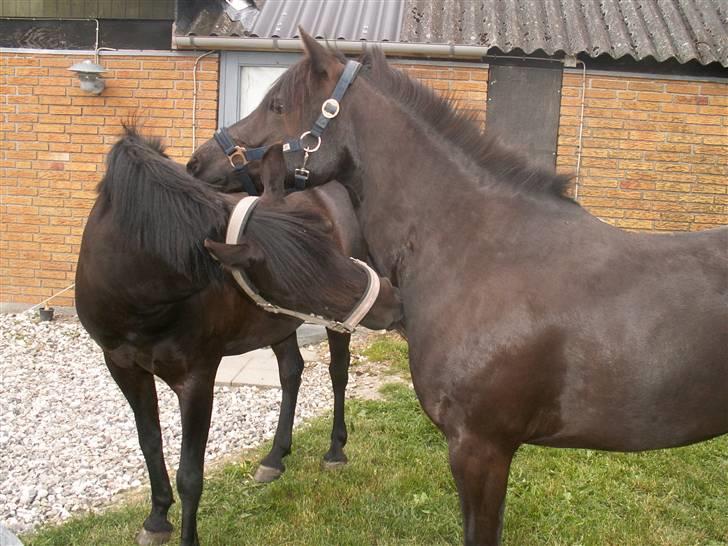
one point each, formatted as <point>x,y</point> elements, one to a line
<point>288,115</point>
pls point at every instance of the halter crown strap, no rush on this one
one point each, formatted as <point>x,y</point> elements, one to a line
<point>330,108</point>
<point>236,227</point>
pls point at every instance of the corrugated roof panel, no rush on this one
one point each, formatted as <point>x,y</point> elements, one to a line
<point>662,29</point>
<point>684,30</point>
<point>377,21</point>
<point>657,30</point>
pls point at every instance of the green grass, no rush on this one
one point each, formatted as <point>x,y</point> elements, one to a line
<point>392,350</point>
<point>397,490</point>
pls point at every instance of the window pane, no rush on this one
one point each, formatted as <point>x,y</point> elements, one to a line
<point>254,84</point>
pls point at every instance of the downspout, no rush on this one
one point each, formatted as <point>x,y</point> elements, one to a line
<point>194,99</point>
<point>577,180</point>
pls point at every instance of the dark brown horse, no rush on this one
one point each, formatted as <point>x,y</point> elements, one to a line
<point>528,320</point>
<point>151,296</point>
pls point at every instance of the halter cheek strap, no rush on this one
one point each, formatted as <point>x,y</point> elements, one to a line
<point>329,110</point>
<point>236,227</point>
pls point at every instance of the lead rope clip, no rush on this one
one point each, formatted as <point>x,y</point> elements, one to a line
<point>301,173</point>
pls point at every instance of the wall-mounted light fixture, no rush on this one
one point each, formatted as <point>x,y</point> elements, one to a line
<point>89,73</point>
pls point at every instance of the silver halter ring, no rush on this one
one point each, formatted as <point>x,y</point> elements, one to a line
<point>313,148</point>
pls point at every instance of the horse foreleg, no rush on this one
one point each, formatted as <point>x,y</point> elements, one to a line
<point>290,368</point>
<point>195,400</point>
<point>339,372</point>
<point>139,390</point>
<point>480,469</point>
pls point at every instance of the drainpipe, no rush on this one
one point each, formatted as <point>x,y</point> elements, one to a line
<point>194,98</point>
<point>577,178</point>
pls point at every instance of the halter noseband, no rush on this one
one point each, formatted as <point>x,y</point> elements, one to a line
<point>240,156</point>
<point>236,227</point>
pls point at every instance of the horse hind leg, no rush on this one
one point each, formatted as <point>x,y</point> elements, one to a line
<point>290,369</point>
<point>339,372</point>
<point>480,469</point>
<point>138,388</point>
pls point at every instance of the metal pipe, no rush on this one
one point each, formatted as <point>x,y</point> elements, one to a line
<point>581,130</point>
<point>194,98</point>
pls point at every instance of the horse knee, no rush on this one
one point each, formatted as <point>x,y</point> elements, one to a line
<point>189,483</point>
<point>340,354</point>
<point>290,376</point>
<point>339,377</point>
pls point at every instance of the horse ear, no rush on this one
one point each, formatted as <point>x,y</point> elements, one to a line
<point>273,172</point>
<point>321,59</point>
<point>240,256</point>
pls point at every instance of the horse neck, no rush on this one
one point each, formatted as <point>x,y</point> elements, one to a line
<point>409,188</point>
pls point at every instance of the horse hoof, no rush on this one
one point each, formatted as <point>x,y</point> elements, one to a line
<point>332,465</point>
<point>148,538</point>
<point>267,474</point>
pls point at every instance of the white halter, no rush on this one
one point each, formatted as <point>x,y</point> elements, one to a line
<point>236,227</point>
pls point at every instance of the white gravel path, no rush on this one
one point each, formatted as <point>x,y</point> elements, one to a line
<point>67,437</point>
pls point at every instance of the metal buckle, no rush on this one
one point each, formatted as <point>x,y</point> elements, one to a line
<point>332,103</point>
<point>302,173</point>
<point>314,148</point>
<point>239,152</point>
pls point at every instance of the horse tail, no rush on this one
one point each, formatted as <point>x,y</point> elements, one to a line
<point>159,208</point>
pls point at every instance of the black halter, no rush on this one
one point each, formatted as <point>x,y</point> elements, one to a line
<point>240,156</point>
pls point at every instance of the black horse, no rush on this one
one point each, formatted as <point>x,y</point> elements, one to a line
<point>151,296</point>
<point>528,320</point>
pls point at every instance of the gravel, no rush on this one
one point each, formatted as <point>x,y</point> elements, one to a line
<point>67,435</point>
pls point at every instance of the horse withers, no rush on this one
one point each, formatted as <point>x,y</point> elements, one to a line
<point>528,319</point>
<point>150,295</point>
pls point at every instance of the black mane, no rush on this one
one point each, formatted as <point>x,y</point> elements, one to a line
<point>302,257</point>
<point>162,209</point>
<point>460,128</point>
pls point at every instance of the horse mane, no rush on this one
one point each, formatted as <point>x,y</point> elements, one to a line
<point>302,257</point>
<point>160,208</point>
<point>460,129</point>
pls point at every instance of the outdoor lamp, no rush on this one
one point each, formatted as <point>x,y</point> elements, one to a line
<point>89,73</point>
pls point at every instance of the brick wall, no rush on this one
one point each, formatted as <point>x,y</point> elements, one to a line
<point>655,152</point>
<point>53,142</point>
<point>468,85</point>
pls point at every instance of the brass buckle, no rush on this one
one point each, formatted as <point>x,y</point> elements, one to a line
<point>239,152</point>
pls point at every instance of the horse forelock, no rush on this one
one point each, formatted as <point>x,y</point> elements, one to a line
<point>159,208</point>
<point>460,128</point>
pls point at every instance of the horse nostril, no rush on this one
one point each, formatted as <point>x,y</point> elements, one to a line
<point>193,165</point>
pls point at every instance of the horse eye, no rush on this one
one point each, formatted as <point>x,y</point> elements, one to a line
<point>276,106</point>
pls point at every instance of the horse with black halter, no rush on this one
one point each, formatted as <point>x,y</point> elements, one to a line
<point>528,319</point>
<point>151,296</point>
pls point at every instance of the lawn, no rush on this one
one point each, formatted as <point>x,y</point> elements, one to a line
<point>397,490</point>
